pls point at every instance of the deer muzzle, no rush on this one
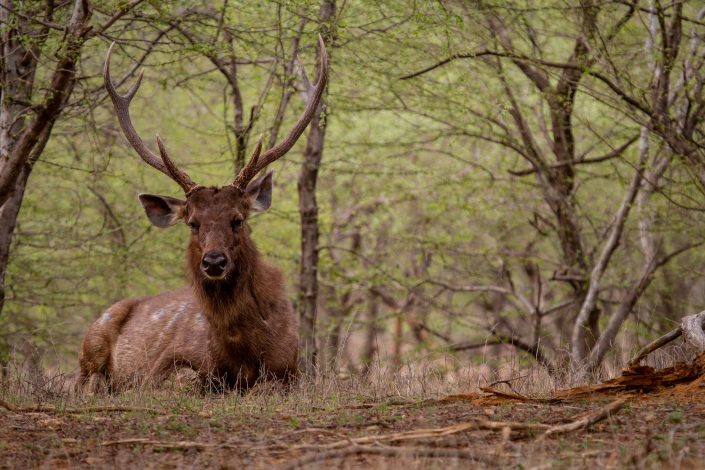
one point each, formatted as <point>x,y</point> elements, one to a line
<point>213,264</point>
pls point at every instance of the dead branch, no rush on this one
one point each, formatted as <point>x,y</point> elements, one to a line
<point>515,396</point>
<point>587,421</point>
<point>501,394</point>
<point>694,337</point>
<point>132,440</point>
<point>514,426</point>
<point>87,409</point>
<point>431,433</point>
<point>457,347</point>
<point>306,460</point>
<point>404,436</point>
<point>643,379</point>
<point>171,444</point>
<point>508,382</point>
<point>654,345</point>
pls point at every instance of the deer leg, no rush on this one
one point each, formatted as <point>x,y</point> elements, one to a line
<point>97,348</point>
<point>163,367</point>
<point>91,384</point>
<point>93,361</point>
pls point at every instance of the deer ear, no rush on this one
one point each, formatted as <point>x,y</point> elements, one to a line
<point>162,211</point>
<point>259,192</point>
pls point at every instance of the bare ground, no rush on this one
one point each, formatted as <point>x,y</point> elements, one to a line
<point>346,426</point>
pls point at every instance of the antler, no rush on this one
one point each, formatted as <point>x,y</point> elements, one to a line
<point>260,160</point>
<point>122,109</point>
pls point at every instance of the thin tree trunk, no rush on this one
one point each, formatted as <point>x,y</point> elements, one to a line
<point>580,328</point>
<point>398,333</point>
<point>241,131</point>
<point>308,210</point>
<point>370,349</point>
<point>8,221</point>
<point>288,87</point>
<point>337,315</point>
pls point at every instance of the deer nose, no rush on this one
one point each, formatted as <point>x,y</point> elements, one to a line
<point>213,263</point>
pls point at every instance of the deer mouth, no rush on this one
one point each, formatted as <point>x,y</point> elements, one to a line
<point>214,277</point>
<point>214,265</point>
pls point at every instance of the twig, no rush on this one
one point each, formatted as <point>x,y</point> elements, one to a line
<point>501,394</point>
<point>430,433</point>
<point>508,382</point>
<point>588,420</point>
<point>614,154</point>
<point>116,16</point>
<point>514,426</point>
<point>134,440</point>
<point>171,444</point>
<point>87,409</point>
<point>33,18</point>
<point>385,452</point>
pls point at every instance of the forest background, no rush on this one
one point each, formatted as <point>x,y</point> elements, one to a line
<point>489,182</point>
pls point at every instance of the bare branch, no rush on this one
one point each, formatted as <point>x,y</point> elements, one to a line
<point>585,161</point>
<point>115,17</point>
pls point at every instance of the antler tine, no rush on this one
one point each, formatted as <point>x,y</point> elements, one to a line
<point>250,170</point>
<point>186,183</point>
<point>271,155</point>
<point>121,103</point>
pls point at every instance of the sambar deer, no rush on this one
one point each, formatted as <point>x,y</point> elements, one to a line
<point>234,323</point>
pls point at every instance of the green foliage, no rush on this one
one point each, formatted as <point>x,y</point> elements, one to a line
<point>415,161</point>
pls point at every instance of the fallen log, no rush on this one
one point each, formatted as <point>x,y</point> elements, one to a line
<point>641,379</point>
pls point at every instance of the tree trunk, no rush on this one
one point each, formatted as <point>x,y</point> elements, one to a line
<point>63,79</point>
<point>22,142</point>
<point>8,220</point>
<point>17,72</point>
<point>370,350</point>
<point>308,210</point>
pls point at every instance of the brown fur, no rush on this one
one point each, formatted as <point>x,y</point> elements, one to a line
<point>230,330</point>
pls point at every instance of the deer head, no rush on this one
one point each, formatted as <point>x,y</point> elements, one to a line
<point>217,216</point>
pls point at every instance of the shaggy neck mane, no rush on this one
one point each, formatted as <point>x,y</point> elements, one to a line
<point>231,300</point>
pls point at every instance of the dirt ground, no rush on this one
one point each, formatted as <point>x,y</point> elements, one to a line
<point>662,428</point>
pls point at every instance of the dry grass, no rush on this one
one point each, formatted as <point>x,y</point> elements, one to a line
<point>389,419</point>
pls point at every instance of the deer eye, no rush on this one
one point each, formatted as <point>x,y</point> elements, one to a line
<point>194,226</point>
<point>236,224</point>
